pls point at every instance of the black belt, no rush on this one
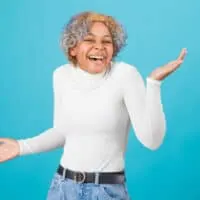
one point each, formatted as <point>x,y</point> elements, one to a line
<point>92,177</point>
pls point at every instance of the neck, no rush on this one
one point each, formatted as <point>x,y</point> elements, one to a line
<point>83,80</point>
<point>84,73</point>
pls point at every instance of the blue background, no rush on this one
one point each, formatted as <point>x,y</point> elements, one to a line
<point>29,51</point>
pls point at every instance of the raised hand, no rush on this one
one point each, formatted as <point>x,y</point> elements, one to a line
<point>9,149</point>
<point>162,72</point>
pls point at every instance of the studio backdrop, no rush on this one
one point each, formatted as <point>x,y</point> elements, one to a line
<point>30,52</point>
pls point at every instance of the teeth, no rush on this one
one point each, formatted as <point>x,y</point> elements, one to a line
<point>96,57</point>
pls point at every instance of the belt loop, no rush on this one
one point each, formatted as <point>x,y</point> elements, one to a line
<point>96,181</point>
<point>64,173</point>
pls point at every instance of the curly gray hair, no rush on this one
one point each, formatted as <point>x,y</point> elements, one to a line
<point>78,28</point>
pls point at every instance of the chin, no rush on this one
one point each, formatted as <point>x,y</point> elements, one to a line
<point>97,69</point>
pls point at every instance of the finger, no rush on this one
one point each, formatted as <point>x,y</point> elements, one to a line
<point>3,159</point>
<point>1,142</point>
<point>178,63</point>
<point>182,54</point>
<point>4,140</point>
<point>173,65</point>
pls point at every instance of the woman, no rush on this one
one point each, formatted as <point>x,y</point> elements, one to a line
<point>96,99</point>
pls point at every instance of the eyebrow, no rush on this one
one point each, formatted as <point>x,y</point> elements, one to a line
<point>91,34</point>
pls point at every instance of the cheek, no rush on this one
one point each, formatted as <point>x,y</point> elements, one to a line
<point>85,50</point>
<point>110,51</point>
<point>82,53</point>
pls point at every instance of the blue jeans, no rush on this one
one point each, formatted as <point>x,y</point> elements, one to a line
<point>67,189</point>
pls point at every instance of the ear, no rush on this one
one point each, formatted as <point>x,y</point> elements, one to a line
<point>73,51</point>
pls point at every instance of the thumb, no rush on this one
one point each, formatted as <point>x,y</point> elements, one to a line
<point>3,140</point>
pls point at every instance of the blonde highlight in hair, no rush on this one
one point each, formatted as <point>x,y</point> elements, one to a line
<point>79,26</point>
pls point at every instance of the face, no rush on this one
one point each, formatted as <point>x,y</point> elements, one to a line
<point>94,53</point>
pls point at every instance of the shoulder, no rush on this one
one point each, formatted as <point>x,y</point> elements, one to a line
<point>123,70</point>
<point>61,70</point>
<point>60,75</point>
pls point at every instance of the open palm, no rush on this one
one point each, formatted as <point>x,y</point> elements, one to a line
<point>9,149</point>
<point>162,72</point>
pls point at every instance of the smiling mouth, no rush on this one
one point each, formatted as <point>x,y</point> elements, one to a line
<point>96,58</point>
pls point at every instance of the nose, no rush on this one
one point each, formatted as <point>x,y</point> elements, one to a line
<point>98,45</point>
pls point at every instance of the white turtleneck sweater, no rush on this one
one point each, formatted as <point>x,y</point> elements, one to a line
<point>92,117</point>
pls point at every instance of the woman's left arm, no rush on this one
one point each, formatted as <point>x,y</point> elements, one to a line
<point>145,108</point>
<point>144,104</point>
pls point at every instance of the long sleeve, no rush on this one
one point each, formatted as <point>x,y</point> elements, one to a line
<point>51,138</point>
<point>145,108</point>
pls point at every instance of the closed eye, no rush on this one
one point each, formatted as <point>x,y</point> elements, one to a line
<point>88,40</point>
<point>107,41</point>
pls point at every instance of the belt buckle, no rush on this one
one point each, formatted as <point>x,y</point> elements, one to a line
<point>79,177</point>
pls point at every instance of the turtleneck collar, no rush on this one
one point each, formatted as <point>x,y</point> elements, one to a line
<point>80,73</point>
<point>82,79</point>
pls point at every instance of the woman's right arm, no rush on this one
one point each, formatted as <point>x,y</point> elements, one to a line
<point>53,137</point>
<point>47,140</point>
